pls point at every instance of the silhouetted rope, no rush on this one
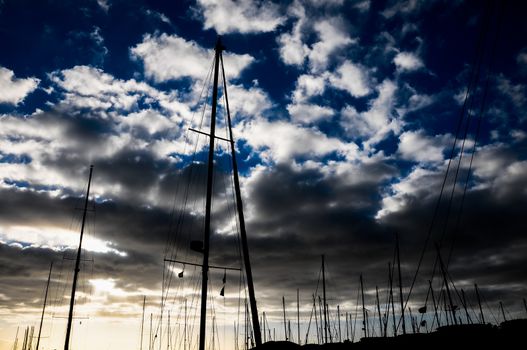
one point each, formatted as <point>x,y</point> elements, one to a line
<point>470,87</point>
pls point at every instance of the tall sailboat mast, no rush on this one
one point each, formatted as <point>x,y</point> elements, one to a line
<point>44,307</point>
<point>241,218</point>
<point>208,203</point>
<point>77,265</point>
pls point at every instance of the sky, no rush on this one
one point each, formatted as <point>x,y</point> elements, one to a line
<point>350,117</point>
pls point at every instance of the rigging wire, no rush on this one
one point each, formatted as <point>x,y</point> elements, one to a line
<point>468,95</point>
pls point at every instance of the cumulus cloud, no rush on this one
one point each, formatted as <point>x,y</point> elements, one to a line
<point>250,16</point>
<point>308,86</point>
<point>281,141</point>
<point>104,4</point>
<point>301,109</point>
<point>516,93</point>
<point>351,78</point>
<point>168,57</point>
<point>293,50</point>
<point>405,7</point>
<point>374,124</point>
<point>14,90</point>
<point>417,146</point>
<point>86,86</point>
<point>309,113</point>
<point>407,62</point>
<point>332,37</point>
<point>247,102</point>
<point>348,77</point>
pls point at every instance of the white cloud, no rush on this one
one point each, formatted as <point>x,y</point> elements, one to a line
<point>242,16</point>
<point>251,102</point>
<point>87,86</point>
<point>416,185</point>
<point>13,90</point>
<point>375,123</point>
<point>517,93</point>
<point>330,32</point>
<point>363,6</point>
<point>167,57</point>
<point>407,61</point>
<point>518,135</point>
<point>56,238</point>
<point>332,37</point>
<point>418,147</point>
<point>293,50</point>
<point>150,120</point>
<point>308,86</point>
<point>104,4</point>
<point>301,109</point>
<point>281,141</point>
<point>309,113</point>
<point>351,78</point>
<point>404,7</point>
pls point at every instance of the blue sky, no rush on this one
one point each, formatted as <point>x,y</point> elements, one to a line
<point>344,114</point>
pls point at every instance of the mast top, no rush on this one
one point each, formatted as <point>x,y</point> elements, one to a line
<point>219,45</point>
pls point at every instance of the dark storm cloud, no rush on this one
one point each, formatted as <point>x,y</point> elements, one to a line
<point>294,223</point>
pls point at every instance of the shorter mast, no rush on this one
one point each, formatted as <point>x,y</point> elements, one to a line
<point>44,307</point>
<point>185,328</point>
<point>142,323</point>
<point>469,320</point>
<point>298,314</point>
<point>263,326</point>
<point>325,303</point>
<point>434,302</point>
<point>151,341</point>
<point>503,312</point>
<point>379,310</point>
<point>447,287</point>
<point>364,319</point>
<point>316,319</point>
<point>400,281</point>
<point>15,345</point>
<point>338,320</point>
<point>479,303</point>
<point>390,275</point>
<point>285,322</point>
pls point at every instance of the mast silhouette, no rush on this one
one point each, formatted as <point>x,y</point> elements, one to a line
<point>447,288</point>
<point>392,301</point>
<point>208,203</point>
<point>44,307</point>
<point>239,207</point>
<point>77,265</point>
<point>479,303</point>
<point>378,309</point>
<point>325,303</point>
<point>434,302</point>
<point>285,322</point>
<point>364,317</point>
<point>298,314</point>
<point>142,323</point>
<point>400,281</point>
